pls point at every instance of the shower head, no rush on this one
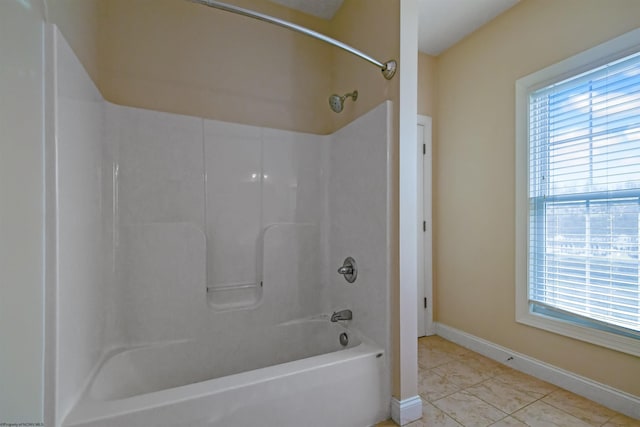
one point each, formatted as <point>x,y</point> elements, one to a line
<point>336,102</point>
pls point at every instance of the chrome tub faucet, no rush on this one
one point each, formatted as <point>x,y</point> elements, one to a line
<point>341,315</point>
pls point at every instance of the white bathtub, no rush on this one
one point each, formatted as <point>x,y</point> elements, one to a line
<point>293,374</point>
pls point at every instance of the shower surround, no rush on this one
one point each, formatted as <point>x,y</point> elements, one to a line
<point>196,267</point>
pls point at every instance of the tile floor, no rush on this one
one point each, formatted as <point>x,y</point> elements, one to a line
<point>462,388</point>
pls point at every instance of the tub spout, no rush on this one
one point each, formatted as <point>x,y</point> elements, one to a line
<point>341,315</point>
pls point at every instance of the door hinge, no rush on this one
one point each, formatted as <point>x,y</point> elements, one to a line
<point>424,226</point>
<point>424,149</point>
<point>425,302</point>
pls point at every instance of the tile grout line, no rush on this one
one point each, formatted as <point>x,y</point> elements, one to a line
<point>565,412</point>
<point>508,413</point>
<point>574,416</point>
<point>446,414</point>
<point>471,394</point>
<point>466,389</point>
<point>540,399</point>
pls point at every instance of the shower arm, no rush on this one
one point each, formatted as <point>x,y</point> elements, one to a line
<point>388,68</point>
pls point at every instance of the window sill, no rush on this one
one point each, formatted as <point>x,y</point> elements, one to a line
<point>582,333</point>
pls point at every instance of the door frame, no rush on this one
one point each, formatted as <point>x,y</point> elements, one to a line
<point>425,227</point>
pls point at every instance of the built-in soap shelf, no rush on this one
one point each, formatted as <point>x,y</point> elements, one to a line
<point>283,251</point>
<point>234,296</point>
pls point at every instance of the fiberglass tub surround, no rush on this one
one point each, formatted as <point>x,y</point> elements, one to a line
<point>179,363</point>
<point>209,275</point>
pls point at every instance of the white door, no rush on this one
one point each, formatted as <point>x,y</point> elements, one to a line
<point>425,278</point>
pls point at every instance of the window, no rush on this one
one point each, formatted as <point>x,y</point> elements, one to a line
<point>578,196</point>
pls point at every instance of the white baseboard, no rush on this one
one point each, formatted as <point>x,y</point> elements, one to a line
<point>603,394</point>
<point>405,411</point>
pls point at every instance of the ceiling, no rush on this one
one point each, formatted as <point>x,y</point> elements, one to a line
<point>321,8</point>
<point>442,23</point>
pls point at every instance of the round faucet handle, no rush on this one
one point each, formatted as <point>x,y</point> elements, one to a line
<point>349,270</point>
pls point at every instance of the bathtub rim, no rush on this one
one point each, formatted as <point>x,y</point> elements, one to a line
<point>89,410</point>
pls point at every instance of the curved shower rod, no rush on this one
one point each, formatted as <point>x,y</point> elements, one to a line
<point>388,68</point>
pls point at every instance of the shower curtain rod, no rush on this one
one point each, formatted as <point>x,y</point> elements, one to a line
<point>388,68</point>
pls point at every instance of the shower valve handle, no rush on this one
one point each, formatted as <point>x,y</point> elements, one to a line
<point>345,270</point>
<point>349,270</point>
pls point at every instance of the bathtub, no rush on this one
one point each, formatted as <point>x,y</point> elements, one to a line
<point>292,374</point>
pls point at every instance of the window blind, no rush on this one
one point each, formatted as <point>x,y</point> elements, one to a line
<point>584,198</point>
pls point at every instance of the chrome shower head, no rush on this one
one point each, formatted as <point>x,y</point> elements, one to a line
<point>336,102</point>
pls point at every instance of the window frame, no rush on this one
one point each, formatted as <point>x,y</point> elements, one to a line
<point>602,54</point>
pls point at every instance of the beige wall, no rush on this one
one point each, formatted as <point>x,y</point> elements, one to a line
<point>474,177</point>
<point>426,84</point>
<point>186,58</point>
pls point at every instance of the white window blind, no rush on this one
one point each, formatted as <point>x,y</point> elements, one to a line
<point>584,198</point>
